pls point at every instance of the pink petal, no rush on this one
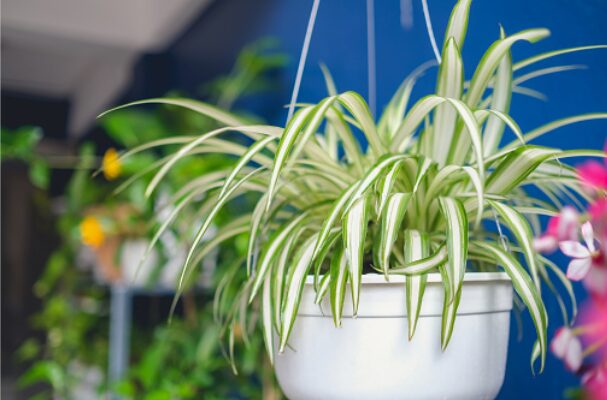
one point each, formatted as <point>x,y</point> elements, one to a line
<point>569,222</point>
<point>593,174</point>
<point>574,249</point>
<point>545,244</point>
<point>598,208</point>
<point>560,342</point>
<point>553,226</point>
<point>588,235</point>
<point>573,357</point>
<point>578,268</point>
<point>596,281</point>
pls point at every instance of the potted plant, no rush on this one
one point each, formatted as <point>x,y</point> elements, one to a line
<point>380,267</point>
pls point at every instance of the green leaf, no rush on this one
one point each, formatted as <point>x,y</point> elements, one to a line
<point>458,23</point>
<point>500,101</point>
<point>449,312</point>
<point>338,275</point>
<point>297,278</point>
<point>354,234</point>
<point>515,167</point>
<point>542,130</point>
<point>386,186</point>
<point>394,111</point>
<point>492,58</point>
<point>521,229</point>
<point>457,242</point>
<point>544,56</point>
<point>450,85</point>
<point>273,248</point>
<point>416,248</point>
<point>287,141</point>
<point>525,289</point>
<point>266,317</point>
<point>40,174</point>
<point>244,160</point>
<point>359,109</point>
<point>208,110</point>
<point>424,265</point>
<point>392,218</point>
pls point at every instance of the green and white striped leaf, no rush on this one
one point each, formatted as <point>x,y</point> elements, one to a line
<point>244,160</point>
<point>457,241</point>
<point>274,247</point>
<point>386,186</point>
<point>208,110</point>
<point>416,248</point>
<point>395,110</point>
<point>525,289</point>
<point>354,234</point>
<point>333,216</point>
<point>516,166</point>
<point>492,58</point>
<point>266,318</point>
<point>449,312</point>
<point>392,218</point>
<point>297,277</point>
<point>323,287</point>
<point>424,265</point>
<point>383,164</point>
<point>500,101</point>
<point>287,141</point>
<point>338,275</point>
<point>550,54</point>
<point>359,109</point>
<point>521,229</point>
<point>450,85</point>
<point>458,23</point>
<point>209,219</point>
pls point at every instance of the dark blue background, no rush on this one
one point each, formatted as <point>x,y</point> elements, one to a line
<point>210,45</point>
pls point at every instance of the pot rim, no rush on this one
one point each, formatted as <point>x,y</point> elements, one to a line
<point>433,277</point>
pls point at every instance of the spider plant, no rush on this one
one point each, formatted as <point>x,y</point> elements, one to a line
<point>420,194</point>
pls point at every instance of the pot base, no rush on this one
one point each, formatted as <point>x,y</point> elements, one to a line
<point>370,357</point>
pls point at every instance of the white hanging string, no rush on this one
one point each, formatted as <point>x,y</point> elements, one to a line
<point>302,58</point>
<point>371,74</point>
<point>406,13</point>
<point>430,31</point>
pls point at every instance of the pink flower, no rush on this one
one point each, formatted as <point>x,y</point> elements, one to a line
<point>582,255</point>
<point>594,173</point>
<point>598,215</point>
<point>567,347</point>
<point>593,324</point>
<point>595,382</point>
<point>596,282</point>
<point>562,227</point>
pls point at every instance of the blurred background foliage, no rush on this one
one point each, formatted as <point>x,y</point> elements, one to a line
<point>186,358</point>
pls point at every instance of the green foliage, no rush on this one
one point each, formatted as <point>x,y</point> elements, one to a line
<point>180,360</point>
<point>20,144</point>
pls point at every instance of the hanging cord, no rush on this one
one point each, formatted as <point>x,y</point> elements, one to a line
<point>430,31</point>
<point>372,82</point>
<point>406,14</point>
<point>302,58</point>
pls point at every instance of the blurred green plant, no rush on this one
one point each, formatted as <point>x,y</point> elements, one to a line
<point>20,144</point>
<point>74,317</point>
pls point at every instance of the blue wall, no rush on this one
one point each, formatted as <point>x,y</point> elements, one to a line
<point>340,41</point>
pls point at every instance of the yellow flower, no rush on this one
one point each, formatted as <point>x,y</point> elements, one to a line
<point>111,165</point>
<point>91,231</point>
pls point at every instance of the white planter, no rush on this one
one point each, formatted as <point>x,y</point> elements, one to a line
<point>370,357</point>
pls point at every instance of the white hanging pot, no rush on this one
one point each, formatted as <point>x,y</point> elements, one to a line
<point>370,357</point>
